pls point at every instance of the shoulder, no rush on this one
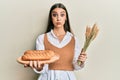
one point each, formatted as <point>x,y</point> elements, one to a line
<point>72,35</point>
<point>76,39</point>
<point>41,36</point>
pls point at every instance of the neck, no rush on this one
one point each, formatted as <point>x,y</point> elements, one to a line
<point>59,31</point>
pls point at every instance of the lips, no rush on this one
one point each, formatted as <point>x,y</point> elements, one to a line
<point>58,23</point>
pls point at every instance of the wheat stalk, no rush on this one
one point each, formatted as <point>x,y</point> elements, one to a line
<point>90,35</point>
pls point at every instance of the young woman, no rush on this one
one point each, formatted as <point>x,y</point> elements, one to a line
<point>59,38</point>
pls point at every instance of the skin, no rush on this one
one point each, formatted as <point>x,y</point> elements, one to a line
<point>58,19</point>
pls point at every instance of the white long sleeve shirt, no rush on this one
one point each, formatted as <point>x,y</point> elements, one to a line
<point>47,74</point>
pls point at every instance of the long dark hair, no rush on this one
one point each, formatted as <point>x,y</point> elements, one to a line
<point>50,23</point>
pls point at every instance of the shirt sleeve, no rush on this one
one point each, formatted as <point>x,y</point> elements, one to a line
<point>40,42</point>
<point>77,53</point>
<point>40,46</point>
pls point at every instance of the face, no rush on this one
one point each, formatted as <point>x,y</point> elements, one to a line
<point>58,17</point>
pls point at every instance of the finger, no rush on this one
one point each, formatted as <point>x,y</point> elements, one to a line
<point>39,64</point>
<point>82,57</point>
<point>83,54</point>
<point>31,64</point>
<point>35,64</point>
<point>26,65</point>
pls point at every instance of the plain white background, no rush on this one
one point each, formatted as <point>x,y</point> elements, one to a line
<point>21,21</point>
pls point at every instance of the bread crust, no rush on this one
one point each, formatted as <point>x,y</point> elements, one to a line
<point>31,55</point>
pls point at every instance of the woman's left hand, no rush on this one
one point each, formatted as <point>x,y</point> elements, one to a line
<point>82,57</point>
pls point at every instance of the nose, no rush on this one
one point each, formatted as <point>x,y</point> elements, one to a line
<point>58,18</point>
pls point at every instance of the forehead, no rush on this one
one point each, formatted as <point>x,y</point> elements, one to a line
<point>58,10</point>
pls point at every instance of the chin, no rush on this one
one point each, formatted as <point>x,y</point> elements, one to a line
<point>59,26</point>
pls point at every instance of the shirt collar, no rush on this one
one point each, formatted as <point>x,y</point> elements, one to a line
<point>52,33</point>
<point>67,34</point>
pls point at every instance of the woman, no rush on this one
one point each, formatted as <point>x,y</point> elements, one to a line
<point>59,38</point>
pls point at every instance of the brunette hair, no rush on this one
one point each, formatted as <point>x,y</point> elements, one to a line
<point>50,23</point>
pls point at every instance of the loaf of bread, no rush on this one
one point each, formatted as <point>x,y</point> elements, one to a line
<point>37,55</point>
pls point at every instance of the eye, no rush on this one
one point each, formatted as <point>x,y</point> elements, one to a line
<point>54,15</point>
<point>62,15</point>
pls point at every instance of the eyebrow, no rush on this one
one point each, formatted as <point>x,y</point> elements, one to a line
<point>56,12</point>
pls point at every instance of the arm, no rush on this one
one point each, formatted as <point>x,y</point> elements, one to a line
<point>77,56</point>
<point>35,65</point>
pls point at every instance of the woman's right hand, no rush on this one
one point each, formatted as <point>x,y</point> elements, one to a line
<point>36,64</point>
